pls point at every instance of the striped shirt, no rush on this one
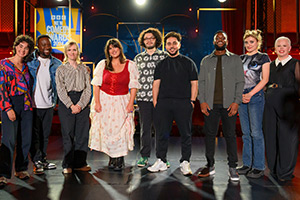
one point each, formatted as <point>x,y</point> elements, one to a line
<point>14,82</point>
<point>70,79</point>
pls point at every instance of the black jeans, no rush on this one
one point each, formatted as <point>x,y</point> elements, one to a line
<point>211,128</point>
<point>75,133</point>
<point>18,131</point>
<point>146,121</point>
<point>166,111</point>
<point>42,122</point>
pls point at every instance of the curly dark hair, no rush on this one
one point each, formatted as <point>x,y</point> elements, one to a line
<point>28,40</point>
<point>156,33</point>
<point>115,43</point>
<point>173,34</point>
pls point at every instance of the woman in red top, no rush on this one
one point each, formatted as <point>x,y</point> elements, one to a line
<point>16,110</point>
<point>112,125</point>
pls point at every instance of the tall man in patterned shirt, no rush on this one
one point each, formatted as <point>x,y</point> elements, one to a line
<point>146,62</point>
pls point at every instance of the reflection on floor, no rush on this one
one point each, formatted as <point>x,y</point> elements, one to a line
<point>138,183</point>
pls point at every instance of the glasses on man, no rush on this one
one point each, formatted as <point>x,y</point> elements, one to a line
<point>150,38</point>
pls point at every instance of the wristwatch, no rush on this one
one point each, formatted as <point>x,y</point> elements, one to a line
<point>193,101</point>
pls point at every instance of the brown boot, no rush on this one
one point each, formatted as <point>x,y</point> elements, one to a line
<point>23,175</point>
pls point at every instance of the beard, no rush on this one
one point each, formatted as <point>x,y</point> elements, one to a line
<point>220,48</point>
<point>42,54</point>
<point>150,47</point>
<point>173,54</point>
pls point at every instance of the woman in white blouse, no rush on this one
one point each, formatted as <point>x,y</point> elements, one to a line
<point>112,124</point>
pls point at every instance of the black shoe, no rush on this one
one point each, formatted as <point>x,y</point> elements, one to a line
<point>47,165</point>
<point>255,173</point>
<point>38,168</point>
<point>119,164</point>
<point>111,163</point>
<point>207,171</point>
<point>243,170</point>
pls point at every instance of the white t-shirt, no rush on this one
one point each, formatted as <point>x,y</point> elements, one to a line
<point>43,89</point>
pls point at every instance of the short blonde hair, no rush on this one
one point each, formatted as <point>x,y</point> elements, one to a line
<point>283,38</point>
<point>67,46</point>
<point>256,34</point>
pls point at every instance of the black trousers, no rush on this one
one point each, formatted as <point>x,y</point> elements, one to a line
<point>165,112</point>
<point>75,133</point>
<point>18,131</point>
<point>281,132</point>
<point>42,122</point>
<point>211,128</point>
<point>146,121</point>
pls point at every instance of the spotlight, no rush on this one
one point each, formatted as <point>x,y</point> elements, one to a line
<point>196,30</point>
<point>84,29</point>
<point>190,9</point>
<point>92,7</point>
<point>81,58</point>
<point>221,1</point>
<point>59,0</point>
<point>140,2</point>
<point>11,53</point>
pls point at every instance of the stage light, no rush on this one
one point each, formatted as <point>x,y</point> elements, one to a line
<point>92,7</point>
<point>81,58</point>
<point>221,1</point>
<point>84,29</point>
<point>196,30</point>
<point>140,2</point>
<point>11,53</point>
<point>59,0</point>
<point>190,9</point>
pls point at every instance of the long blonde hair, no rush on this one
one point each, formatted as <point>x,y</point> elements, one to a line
<point>67,46</point>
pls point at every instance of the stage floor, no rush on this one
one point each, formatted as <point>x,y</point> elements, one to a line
<point>137,183</point>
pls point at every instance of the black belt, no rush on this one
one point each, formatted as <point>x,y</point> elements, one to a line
<point>74,92</point>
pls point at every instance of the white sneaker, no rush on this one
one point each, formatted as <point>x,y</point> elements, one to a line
<point>159,165</point>
<point>185,168</point>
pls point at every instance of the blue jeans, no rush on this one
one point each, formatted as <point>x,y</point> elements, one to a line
<point>251,116</point>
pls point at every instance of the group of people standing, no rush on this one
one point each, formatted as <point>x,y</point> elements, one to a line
<point>165,86</point>
<point>227,84</point>
<point>30,83</point>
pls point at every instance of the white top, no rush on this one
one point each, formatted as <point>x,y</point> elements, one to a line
<point>283,62</point>
<point>43,91</point>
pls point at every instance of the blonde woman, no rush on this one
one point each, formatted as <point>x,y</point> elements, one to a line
<point>74,92</point>
<point>112,109</point>
<point>281,114</point>
<point>256,70</point>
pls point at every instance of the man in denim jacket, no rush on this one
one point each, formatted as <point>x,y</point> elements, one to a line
<point>42,66</point>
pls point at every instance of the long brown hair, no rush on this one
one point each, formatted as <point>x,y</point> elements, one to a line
<point>115,43</point>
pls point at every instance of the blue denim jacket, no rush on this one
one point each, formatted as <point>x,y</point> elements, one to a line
<point>34,65</point>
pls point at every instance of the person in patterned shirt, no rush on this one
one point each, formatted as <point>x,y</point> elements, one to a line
<point>16,110</point>
<point>150,39</point>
